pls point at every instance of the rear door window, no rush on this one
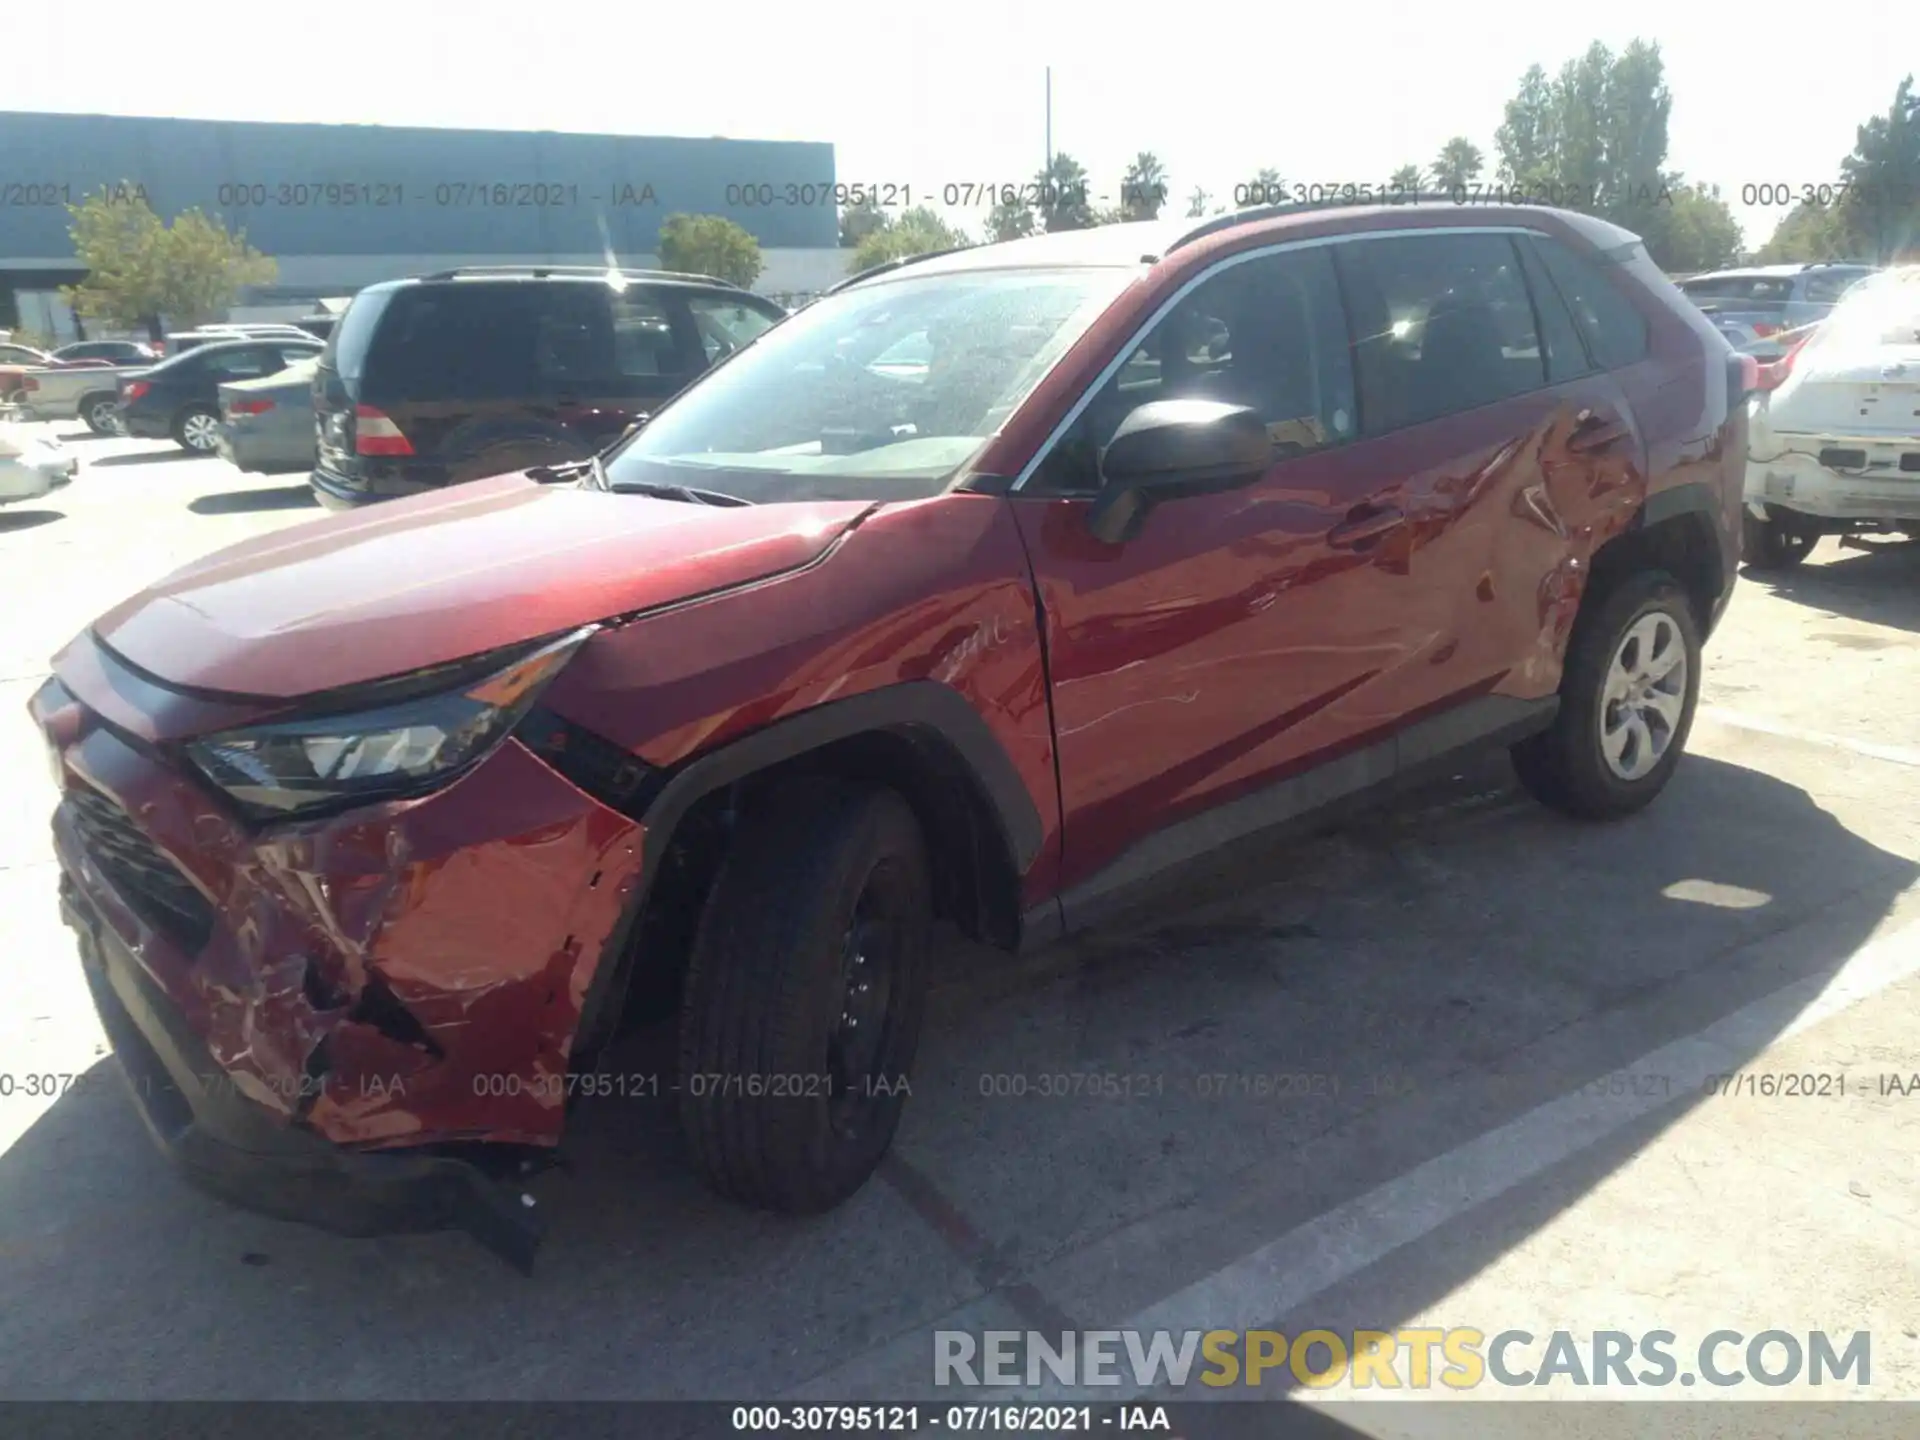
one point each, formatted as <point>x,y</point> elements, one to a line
<point>244,364</point>
<point>1442,324</point>
<point>1615,331</point>
<point>573,339</point>
<point>725,325</point>
<point>647,343</point>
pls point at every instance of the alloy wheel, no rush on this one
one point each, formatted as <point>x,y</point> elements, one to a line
<point>1644,697</point>
<point>200,431</point>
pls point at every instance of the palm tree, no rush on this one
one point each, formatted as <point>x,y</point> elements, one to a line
<point>1143,190</point>
<point>1459,165</point>
<point>1404,182</point>
<point>1064,201</point>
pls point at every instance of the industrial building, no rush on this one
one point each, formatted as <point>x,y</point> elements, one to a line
<point>341,206</point>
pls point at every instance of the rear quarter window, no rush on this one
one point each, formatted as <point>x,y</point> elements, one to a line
<point>1614,329</point>
<point>346,351</point>
<point>459,340</point>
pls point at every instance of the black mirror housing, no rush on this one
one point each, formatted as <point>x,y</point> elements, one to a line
<point>1168,449</point>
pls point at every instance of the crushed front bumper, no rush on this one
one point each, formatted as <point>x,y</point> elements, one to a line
<point>233,1148</point>
<point>379,1007</point>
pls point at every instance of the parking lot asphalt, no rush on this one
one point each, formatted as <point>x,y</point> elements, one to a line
<point>1495,1026</point>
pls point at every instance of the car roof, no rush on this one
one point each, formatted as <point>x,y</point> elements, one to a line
<point>552,274</point>
<point>1145,242</point>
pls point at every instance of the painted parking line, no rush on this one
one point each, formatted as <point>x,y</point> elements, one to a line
<point>1280,1276</point>
<point>1759,724</point>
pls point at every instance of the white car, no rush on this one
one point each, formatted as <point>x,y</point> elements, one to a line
<point>32,462</point>
<point>1833,446</point>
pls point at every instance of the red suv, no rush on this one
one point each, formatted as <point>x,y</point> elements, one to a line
<point>1071,558</point>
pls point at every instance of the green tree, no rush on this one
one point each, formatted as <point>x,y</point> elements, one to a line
<point>1806,233</point>
<point>1266,187</point>
<point>1143,189</point>
<point>1882,200</point>
<point>1524,141</point>
<point>1407,180</point>
<point>917,232</point>
<point>710,245</point>
<point>1696,231</point>
<point>1595,138</point>
<point>1458,165</point>
<point>141,270</point>
<point>1197,203</point>
<point>859,220</point>
<point>1011,219</point>
<point>1065,201</point>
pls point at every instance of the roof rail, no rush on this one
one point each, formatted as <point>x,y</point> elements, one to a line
<point>885,266</point>
<point>537,270</point>
<point>1303,207</point>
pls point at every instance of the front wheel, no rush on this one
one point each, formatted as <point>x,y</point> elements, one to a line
<point>197,429</point>
<point>1771,544</point>
<point>804,994</point>
<point>1627,697</point>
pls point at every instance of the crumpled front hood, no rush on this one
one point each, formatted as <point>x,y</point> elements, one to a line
<point>439,577</point>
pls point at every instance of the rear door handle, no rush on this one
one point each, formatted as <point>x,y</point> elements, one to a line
<point>1365,524</point>
<point>1593,433</point>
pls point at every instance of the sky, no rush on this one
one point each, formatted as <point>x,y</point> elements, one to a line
<point>932,94</point>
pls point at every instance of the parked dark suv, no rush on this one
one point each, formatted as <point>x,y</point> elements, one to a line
<point>476,372</point>
<point>1068,559</point>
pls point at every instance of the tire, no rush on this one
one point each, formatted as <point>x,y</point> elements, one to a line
<point>193,422</point>
<point>98,412</point>
<point>769,989</point>
<point>1567,766</point>
<point>1771,545</point>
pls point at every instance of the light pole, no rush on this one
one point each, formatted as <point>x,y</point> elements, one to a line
<point>1048,172</point>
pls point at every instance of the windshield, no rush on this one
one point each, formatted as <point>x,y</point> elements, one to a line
<point>880,392</point>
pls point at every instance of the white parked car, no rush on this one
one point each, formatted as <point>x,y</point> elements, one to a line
<point>32,462</point>
<point>1833,445</point>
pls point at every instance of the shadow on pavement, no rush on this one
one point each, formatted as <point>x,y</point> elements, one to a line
<point>146,457</point>
<point>1488,955</point>
<point>1880,585</point>
<point>242,502</point>
<point>13,520</point>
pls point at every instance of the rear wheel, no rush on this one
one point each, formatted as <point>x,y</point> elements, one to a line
<point>803,997</point>
<point>99,412</point>
<point>1775,544</point>
<point>1627,697</point>
<point>197,428</point>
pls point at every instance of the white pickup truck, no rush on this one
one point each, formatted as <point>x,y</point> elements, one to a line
<point>79,392</point>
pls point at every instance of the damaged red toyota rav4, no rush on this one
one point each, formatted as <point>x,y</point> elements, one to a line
<point>983,590</point>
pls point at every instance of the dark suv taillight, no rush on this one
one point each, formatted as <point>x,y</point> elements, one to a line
<point>375,433</point>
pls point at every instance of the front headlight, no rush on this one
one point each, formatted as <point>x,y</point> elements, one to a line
<point>414,743</point>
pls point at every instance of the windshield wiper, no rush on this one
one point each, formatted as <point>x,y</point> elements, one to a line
<point>677,492</point>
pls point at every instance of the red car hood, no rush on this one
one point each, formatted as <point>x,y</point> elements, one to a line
<point>439,577</point>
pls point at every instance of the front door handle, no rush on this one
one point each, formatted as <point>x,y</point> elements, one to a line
<point>1593,433</point>
<point>1364,525</point>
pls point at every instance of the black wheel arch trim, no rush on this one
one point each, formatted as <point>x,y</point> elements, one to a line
<point>1683,499</point>
<point>924,705</point>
